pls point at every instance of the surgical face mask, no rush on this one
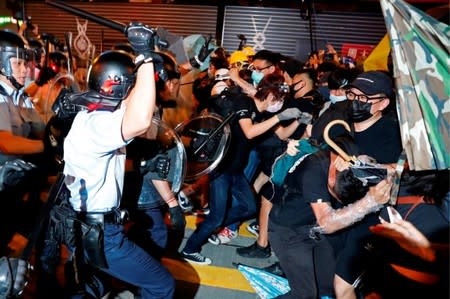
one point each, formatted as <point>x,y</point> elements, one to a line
<point>275,107</point>
<point>257,77</point>
<point>360,111</point>
<point>334,99</point>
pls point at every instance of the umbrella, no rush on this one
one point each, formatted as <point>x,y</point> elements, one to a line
<point>266,285</point>
<point>420,57</point>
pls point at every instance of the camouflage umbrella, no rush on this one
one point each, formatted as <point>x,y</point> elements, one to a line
<point>420,57</point>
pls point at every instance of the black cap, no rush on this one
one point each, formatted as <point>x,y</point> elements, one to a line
<point>374,82</point>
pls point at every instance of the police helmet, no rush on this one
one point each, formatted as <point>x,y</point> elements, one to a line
<point>11,45</point>
<point>111,75</point>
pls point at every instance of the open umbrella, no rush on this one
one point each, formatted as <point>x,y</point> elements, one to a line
<point>266,285</point>
<point>420,54</point>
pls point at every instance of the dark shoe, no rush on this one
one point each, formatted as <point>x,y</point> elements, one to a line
<point>254,251</point>
<point>196,258</point>
<point>275,269</point>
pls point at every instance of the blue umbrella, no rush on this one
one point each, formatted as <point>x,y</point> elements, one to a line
<point>266,285</point>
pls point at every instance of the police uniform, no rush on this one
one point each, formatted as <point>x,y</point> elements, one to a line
<point>94,169</point>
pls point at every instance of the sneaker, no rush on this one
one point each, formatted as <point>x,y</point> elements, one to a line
<point>184,202</point>
<point>255,251</point>
<point>196,258</point>
<point>275,269</point>
<point>253,228</point>
<point>223,237</point>
<point>201,212</point>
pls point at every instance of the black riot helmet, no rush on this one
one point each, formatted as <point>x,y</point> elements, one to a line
<point>111,75</point>
<point>12,46</point>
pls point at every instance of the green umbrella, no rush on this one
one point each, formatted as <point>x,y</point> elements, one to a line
<point>420,54</point>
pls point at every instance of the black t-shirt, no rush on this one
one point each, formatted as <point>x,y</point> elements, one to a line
<point>305,185</point>
<point>238,151</point>
<point>335,111</point>
<point>310,103</point>
<point>381,141</point>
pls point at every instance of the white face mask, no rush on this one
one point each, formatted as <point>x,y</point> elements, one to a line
<point>275,107</point>
<point>334,99</point>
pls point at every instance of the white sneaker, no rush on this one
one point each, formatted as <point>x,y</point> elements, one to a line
<point>223,237</point>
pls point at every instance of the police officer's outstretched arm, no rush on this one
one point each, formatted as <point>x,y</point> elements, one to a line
<point>140,103</point>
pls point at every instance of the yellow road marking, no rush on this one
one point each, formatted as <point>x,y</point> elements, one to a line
<point>192,221</point>
<point>212,276</point>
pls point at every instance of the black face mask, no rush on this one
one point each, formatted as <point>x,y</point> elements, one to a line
<point>360,111</point>
<point>292,89</point>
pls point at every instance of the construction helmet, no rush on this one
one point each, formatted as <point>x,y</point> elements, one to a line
<point>238,57</point>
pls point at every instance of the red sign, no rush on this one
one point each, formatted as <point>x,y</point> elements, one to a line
<point>356,50</point>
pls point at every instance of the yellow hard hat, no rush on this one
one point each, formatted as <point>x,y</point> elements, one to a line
<point>237,56</point>
<point>249,51</point>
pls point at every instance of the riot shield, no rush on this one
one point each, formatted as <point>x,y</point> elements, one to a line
<point>164,140</point>
<point>206,139</point>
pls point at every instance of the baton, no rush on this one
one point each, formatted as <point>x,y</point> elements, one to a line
<point>215,132</point>
<point>89,16</point>
<point>97,19</point>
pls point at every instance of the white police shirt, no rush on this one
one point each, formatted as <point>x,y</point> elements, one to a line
<point>94,154</point>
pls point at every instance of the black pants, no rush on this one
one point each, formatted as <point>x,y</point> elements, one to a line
<point>307,263</point>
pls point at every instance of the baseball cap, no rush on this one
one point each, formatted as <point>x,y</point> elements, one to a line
<point>373,82</point>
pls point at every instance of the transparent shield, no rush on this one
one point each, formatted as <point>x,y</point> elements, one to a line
<point>205,139</point>
<point>168,141</point>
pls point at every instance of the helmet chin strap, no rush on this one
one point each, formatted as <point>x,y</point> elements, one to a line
<point>14,82</point>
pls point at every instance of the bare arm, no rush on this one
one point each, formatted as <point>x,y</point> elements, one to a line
<point>252,130</point>
<point>166,193</point>
<point>411,239</point>
<point>285,132</point>
<point>140,103</point>
<point>247,88</point>
<point>16,145</point>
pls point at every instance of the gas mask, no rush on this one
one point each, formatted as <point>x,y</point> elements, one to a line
<point>257,77</point>
<point>334,99</point>
<point>360,111</point>
<point>275,107</point>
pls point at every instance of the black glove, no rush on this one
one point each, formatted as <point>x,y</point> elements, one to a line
<point>143,40</point>
<point>45,75</point>
<point>13,171</point>
<point>159,164</point>
<point>198,60</point>
<point>14,274</point>
<point>177,218</point>
<point>289,113</point>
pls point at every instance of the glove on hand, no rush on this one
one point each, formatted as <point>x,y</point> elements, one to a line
<point>177,218</point>
<point>13,171</point>
<point>13,277</point>
<point>289,113</point>
<point>143,40</point>
<point>160,163</point>
<point>305,118</point>
<point>198,60</point>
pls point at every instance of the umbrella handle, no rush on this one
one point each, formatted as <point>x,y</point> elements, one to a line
<point>331,143</point>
